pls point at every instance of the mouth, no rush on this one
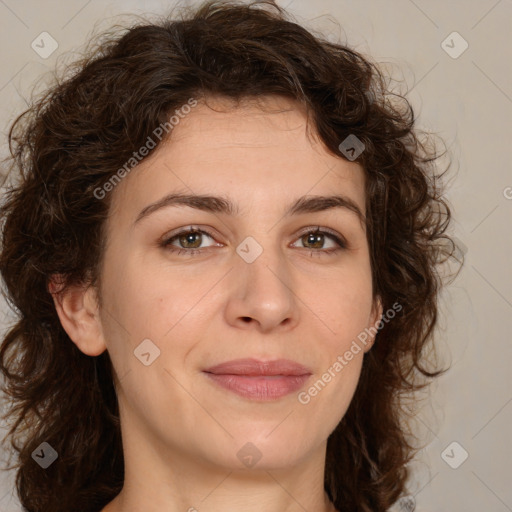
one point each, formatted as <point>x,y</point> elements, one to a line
<point>259,380</point>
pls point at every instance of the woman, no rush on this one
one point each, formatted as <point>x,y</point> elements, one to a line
<point>224,254</point>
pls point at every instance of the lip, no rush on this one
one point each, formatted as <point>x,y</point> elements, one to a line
<point>259,380</point>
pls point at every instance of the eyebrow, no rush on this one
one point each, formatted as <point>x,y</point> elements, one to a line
<point>217,204</point>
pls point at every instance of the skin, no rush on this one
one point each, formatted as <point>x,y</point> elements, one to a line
<point>181,431</point>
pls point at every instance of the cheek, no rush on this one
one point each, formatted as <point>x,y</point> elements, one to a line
<point>343,306</point>
<point>148,303</point>
<point>144,298</point>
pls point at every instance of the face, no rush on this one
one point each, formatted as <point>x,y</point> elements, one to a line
<point>255,283</point>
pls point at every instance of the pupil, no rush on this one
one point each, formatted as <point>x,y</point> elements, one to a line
<point>189,238</point>
<point>314,238</point>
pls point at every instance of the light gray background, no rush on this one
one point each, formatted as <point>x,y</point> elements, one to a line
<point>468,101</point>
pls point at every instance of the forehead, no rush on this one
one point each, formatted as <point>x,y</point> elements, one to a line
<point>255,150</point>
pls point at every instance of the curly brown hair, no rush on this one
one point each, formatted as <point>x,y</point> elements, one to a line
<point>75,137</point>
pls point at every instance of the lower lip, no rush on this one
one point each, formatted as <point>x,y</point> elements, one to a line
<point>262,388</point>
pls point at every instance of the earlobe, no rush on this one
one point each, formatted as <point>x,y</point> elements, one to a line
<point>78,311</point>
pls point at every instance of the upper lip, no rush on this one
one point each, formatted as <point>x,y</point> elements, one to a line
<point>253,367</point>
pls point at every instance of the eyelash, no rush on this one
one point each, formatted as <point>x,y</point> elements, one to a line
<point>166,243</point>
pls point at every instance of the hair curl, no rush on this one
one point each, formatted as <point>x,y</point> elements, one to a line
<point>77,135</point>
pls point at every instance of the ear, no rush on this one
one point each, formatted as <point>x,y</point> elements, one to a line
<point>78,311</point>
<point>373,322</point>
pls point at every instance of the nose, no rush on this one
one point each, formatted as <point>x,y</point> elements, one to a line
<point>262,294</point>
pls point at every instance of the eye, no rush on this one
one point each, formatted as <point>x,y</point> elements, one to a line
<point>190,240</point>
<point>316,237</point>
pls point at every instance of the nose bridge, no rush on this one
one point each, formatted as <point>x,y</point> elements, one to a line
<point>262,259</point>
<point>264,282</point>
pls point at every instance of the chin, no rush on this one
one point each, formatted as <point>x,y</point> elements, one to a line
<point>264,450</point>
